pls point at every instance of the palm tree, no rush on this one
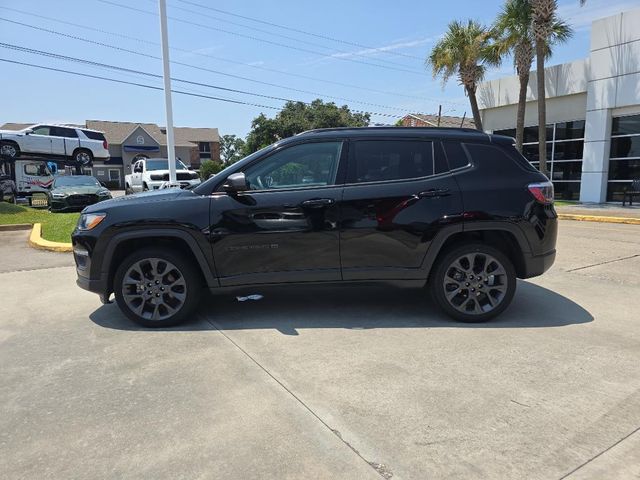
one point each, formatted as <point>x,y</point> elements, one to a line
<point>514,30</point>
<point>465,50</point>
<point>544,16</point>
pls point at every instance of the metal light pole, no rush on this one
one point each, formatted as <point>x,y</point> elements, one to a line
<point>171,148</point>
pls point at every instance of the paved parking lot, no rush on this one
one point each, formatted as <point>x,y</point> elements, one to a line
<point>323,382</point>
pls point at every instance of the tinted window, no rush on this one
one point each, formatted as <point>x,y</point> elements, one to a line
<point>33,169</point>
<point>490,157</point>
<point>381,160</point>
<point>622,147</point>
<point>569,130</point>
<point>566,170</point>
<point>626,125</point>
<point>63,132</point>
<point>531,152</point>
<point>440,160</point>
<point>93,135</point>
<point>509,132</point>
<point>568,150</point>
<point>456,156</point>
<point>299,166</point>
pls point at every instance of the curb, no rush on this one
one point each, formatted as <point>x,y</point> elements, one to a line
<point>15,226</point>
<point>36,241</point>
<point>595,218</point>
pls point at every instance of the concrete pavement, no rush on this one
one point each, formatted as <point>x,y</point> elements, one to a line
<point>325,382</point>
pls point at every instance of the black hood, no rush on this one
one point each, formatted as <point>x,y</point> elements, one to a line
<point>139,198</point>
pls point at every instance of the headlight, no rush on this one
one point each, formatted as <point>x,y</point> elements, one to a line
<point>194,175</point>
<point>89,221</point>
<point>104,193</point>
<point>58,195</point>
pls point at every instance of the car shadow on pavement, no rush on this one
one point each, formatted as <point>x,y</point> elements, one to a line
<point>290,308</point>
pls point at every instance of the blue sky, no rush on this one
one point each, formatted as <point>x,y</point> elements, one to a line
<point>401,33</point>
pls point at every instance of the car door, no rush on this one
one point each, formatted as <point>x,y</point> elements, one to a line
<point>57,137</point>
<point>284,228</point>
<point>397,197</point>
<point>38,140</point>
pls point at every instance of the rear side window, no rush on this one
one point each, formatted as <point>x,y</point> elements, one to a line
<point>94,135</point>
<point>496,158</point>
<point>64,132</point>
<point>456,155</point>
<point>383,160</point>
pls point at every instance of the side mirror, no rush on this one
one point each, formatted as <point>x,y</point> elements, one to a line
<point>28,132</point>
<point>236,182</point>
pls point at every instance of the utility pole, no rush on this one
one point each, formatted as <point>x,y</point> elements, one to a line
<point>171,146</point>
<point>439,114</point>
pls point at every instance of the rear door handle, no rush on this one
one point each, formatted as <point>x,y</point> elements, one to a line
<point>317,202</point>
<point>434,193</point>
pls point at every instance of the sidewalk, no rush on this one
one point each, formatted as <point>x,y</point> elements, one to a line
<point>600,210</point>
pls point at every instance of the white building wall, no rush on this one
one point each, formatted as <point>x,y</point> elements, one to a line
<point>606,83</point>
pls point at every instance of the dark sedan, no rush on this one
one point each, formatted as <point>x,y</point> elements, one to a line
<point>75,192</point>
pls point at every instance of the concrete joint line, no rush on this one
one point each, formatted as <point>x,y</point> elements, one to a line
<point>598,455</point>
<point>379,468</point>
<point>604,263</point>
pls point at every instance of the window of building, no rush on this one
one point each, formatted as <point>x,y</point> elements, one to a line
<point>624,156</point>
<point>204,148</point>
<point>565,145</point>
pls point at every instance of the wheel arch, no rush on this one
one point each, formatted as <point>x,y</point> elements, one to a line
<point>123,244</point>
<point>507,238</point>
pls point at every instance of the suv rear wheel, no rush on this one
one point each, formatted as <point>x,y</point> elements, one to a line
<point>9,149</point>
<point>157,287</point>
<point>83,157</point>
<point>473,282</point>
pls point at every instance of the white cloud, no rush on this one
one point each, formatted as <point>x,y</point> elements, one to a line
<point>386,48</point>
<point>580,18</point>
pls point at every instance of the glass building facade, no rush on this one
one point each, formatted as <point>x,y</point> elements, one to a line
<point>624,155</point>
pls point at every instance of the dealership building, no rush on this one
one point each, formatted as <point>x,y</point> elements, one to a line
<point>593,114</point>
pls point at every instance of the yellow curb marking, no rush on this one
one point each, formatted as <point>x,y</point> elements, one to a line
<point>36,241</point>
<point>595,218</point>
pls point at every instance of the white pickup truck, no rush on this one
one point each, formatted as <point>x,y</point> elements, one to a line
<point>152,173</point>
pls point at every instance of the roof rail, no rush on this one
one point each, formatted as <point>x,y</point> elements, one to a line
<point>393,128</point>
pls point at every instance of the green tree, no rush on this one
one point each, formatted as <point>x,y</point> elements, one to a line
<point>208,168</point>
<point>465,51</point>
<point>231,149</point>
<point>544,14</point>
<point>514,31</point>
<point>296,117</point>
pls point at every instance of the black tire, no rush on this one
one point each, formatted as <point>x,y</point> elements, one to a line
<point>127,190</point>
<point>83,157</point>
<point>188,273</point>
<point>482,293</point>
<point>145,187</point>
<point>9,149</point>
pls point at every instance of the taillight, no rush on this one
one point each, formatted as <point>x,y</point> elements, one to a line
<point>105,145</point>
<point>542,192</point>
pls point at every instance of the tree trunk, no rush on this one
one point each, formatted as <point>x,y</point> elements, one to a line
<point>522,106</point>
<point>542,108</point>
<point>471,92</point>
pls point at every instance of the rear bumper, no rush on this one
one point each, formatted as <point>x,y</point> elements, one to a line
<point>538,264</point>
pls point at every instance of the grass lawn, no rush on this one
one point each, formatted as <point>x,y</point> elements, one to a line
<point>56,227</point>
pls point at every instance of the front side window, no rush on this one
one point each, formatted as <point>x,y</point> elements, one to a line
<point>384,160</point>
<point>299,166</point>
<point>38,170</point>
<point>42,130</point>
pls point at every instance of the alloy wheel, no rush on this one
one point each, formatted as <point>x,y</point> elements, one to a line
<point>83,158</point>
<point>154,289</point>
<point>475,283</point>
<point>8,150</point>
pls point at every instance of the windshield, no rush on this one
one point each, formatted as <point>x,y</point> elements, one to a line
<point>76,181</point>
<point>205,187</point>
<point>163,164</point>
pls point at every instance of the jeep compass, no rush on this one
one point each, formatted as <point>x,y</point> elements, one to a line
<point>458,212</point>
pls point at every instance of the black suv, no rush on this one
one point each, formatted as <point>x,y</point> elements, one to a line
<point>457,211</point>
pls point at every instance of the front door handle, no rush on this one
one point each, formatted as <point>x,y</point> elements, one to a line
<point>317,203</point>
<point>435,193</point>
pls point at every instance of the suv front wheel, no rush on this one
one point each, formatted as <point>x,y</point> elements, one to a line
<point>473,282</point>
<point>156,287</point>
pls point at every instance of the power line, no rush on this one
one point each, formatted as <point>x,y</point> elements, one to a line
<point>136,84</point>
<point>287,37</point>
<point>292,29</point>
<point>156,76</point>
<point>263,40</point>
<point>197,67</point>
<point>235,62</point>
